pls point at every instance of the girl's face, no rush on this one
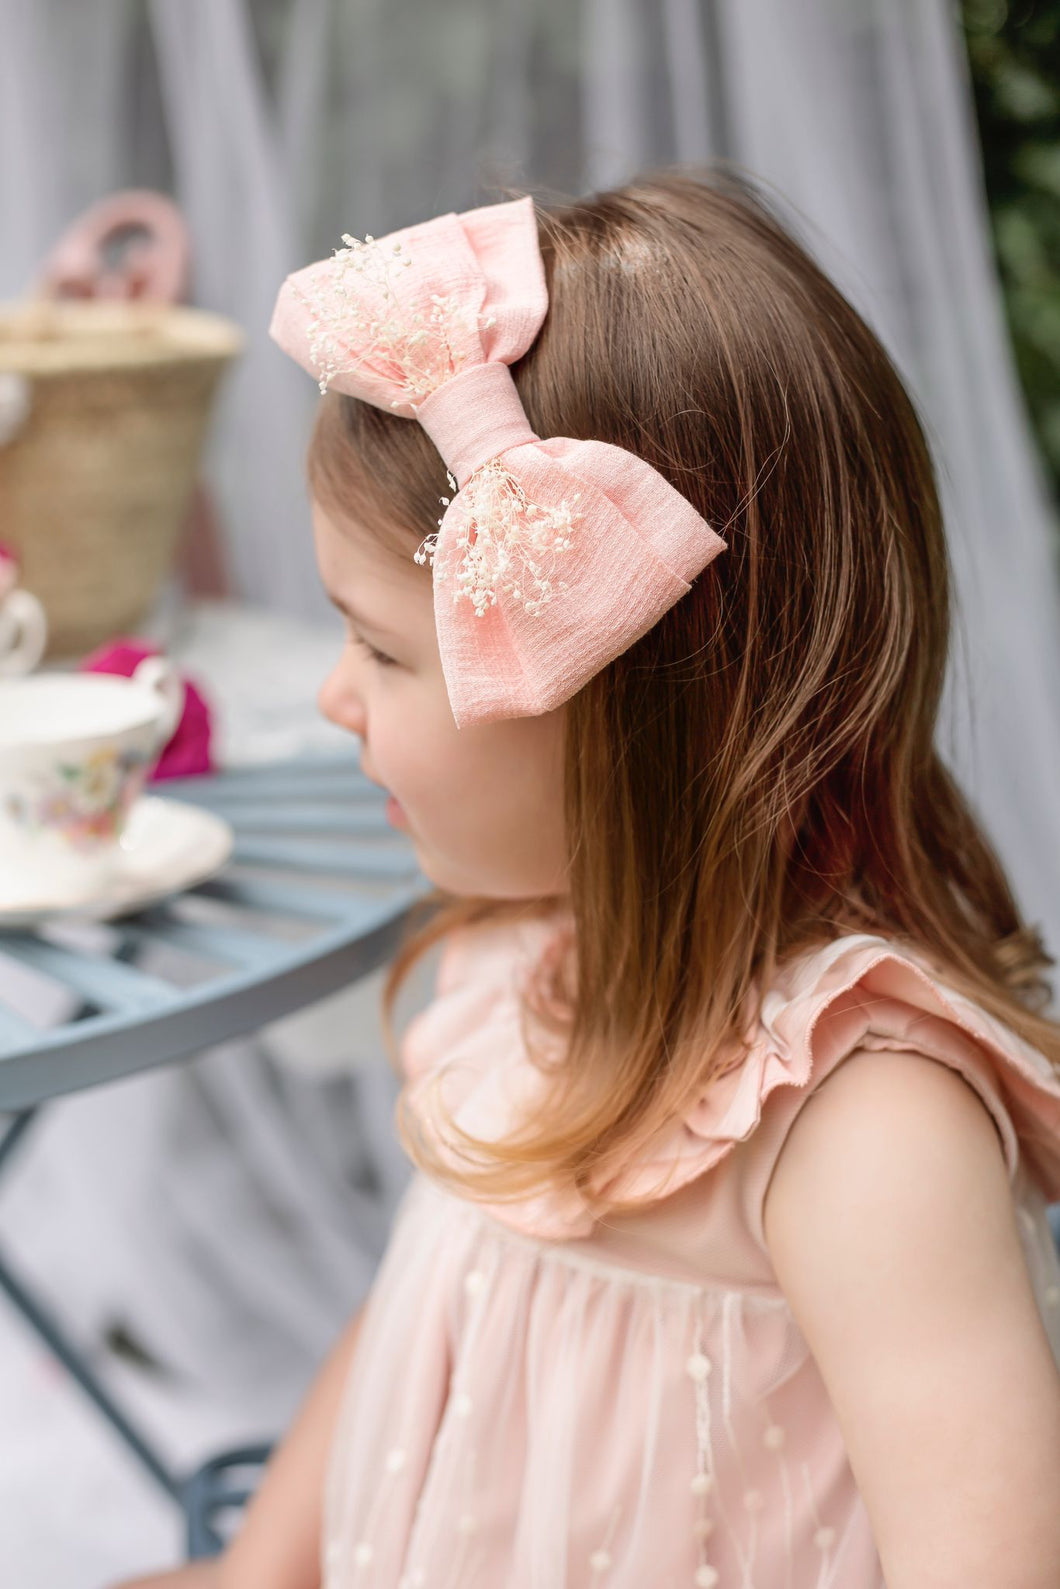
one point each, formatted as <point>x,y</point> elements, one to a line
<point>483,805</point>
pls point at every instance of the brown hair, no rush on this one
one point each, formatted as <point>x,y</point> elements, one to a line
<point>756,775</point>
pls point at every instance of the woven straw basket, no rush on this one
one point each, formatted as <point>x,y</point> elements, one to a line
<point>98,468</point>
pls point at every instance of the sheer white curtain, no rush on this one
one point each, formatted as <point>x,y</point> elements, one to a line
<point>279,125</point>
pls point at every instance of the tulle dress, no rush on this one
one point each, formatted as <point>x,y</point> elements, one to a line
<point>540,1402</point>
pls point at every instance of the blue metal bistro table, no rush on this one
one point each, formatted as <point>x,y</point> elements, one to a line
<point>317,893</point>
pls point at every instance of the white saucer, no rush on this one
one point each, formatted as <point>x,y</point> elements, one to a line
<point>167,846</point>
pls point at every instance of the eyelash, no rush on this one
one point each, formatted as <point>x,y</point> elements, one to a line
<point>377,656</point>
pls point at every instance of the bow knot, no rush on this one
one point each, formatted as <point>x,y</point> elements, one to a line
<point>475,416</point>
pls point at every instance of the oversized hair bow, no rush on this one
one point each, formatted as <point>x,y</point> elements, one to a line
<point>553,556</point>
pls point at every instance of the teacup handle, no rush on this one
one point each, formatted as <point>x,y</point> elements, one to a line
<point>31,632</point>
<point>160,675</point>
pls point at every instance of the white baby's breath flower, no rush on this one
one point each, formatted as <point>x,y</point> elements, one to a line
<point>356,319</point>
<point>509,545</point>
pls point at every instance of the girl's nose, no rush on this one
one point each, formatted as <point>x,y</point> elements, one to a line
<point>339,702</point>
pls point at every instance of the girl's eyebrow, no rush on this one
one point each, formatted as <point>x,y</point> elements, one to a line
<point>356,617</point>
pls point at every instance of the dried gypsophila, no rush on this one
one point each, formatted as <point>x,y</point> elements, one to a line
<point>419,344</point>
<point>504,538</point>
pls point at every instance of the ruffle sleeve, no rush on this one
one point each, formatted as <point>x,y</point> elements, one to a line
<point>861,990</point>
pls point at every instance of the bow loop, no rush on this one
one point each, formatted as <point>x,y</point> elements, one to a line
<point>553,559</point>
<point>391,319</point>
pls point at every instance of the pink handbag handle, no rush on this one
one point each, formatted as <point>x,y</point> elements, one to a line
<point>155,265</point>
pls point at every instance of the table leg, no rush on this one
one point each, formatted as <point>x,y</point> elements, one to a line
<point>43,1321</point>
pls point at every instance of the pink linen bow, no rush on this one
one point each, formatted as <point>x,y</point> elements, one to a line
<point>554,555</point>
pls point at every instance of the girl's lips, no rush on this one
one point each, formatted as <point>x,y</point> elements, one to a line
<point>394,812</point>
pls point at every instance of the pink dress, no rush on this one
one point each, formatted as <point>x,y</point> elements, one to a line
<point>540,1402</point>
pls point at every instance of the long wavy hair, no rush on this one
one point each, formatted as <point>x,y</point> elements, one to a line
<point>758,774</point>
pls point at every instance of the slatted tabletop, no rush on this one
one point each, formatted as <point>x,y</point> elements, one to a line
<point>314,896</point>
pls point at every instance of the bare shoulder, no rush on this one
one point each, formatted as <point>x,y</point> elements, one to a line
<point>891,1104</point>
<point>892,1231</point>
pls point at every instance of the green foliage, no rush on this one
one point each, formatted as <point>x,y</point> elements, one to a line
<point>1014,54</point>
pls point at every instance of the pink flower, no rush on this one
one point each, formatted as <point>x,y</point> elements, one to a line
<point>8,569</point>
<point>188,751</point>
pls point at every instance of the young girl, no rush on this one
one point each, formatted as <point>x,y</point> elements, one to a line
<point>736,1114</point>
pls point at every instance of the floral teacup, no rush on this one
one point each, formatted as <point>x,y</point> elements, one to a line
<point>75,753</point>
